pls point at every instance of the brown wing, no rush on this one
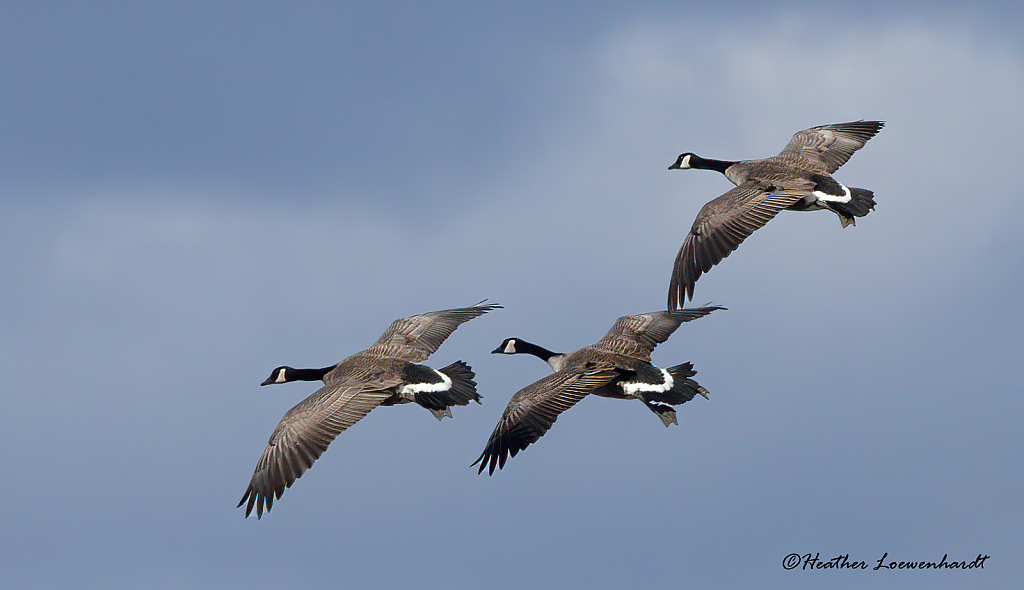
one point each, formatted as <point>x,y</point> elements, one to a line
<point>533,409</point>
<point>416,338</point>
<point>303,435</point>
<point>720,227</point>
<point>831,145</point>
<point>637,335</point>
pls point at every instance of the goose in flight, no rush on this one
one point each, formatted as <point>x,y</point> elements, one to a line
<point>798,178</point>
<point>385,374</point>
<point>617,366</point>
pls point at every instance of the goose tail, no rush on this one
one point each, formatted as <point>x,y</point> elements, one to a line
<point>461,392</point>
<point>683,388</point>
<point>861,202</point>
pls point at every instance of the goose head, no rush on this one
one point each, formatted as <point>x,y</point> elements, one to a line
<point>683,162</point>
<point>520,346</point>
<point>288,374</point>
<point>280,375</point>
<point>509,346</point>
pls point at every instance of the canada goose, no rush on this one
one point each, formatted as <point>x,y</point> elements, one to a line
<point>799,178</point>
<point>617,366</point>
<point>382,375</point>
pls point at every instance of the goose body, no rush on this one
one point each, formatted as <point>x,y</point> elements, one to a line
<point>387,373</point>
<point>617,366</point>
<point>799,178</point>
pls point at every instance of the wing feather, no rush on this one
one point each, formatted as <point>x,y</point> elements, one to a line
<point>722,224</point>
<point>831,145</point>
<point>533,409</point>
<point>417,337</point>
<point>636,336</point>
<point>303,434</point>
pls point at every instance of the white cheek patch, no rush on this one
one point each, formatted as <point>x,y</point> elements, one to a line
<point>510,348</point>
<point>414,388</point>
<point>280,376</point>
<point>686,162</point>
<point>845,198</point>
<point>635,387</point>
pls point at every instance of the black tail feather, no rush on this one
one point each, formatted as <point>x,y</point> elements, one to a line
<point>462,391</point>
<point>684,388</point>
<point>861,202</point>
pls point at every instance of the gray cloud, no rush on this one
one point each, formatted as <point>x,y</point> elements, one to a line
<point>861,389</point>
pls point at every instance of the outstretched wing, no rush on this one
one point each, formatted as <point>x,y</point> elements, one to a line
<point>637,335</point>
<point>416,338</point>
<point>303,435</point>
<point>533,409</point>
<point>720,227</point>
<point>831,145</point>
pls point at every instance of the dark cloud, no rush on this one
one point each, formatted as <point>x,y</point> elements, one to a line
<point>276,213</point>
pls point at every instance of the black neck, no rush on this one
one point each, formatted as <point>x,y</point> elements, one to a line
<point>708,164</point>
<point>524,347</point>
<point>309,374</point>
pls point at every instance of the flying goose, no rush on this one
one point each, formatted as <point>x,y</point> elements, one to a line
<point>799,178</point>
<point>617,366</point>
<point>385,374</point>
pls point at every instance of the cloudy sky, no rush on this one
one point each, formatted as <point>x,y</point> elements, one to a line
<point>198,192</point>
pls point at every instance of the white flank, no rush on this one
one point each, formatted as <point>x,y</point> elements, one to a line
<point>634,387</point>
<point>826,197</point>
<point>413,388</point>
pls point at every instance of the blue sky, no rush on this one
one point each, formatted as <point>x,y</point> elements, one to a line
<point>199,192</point>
